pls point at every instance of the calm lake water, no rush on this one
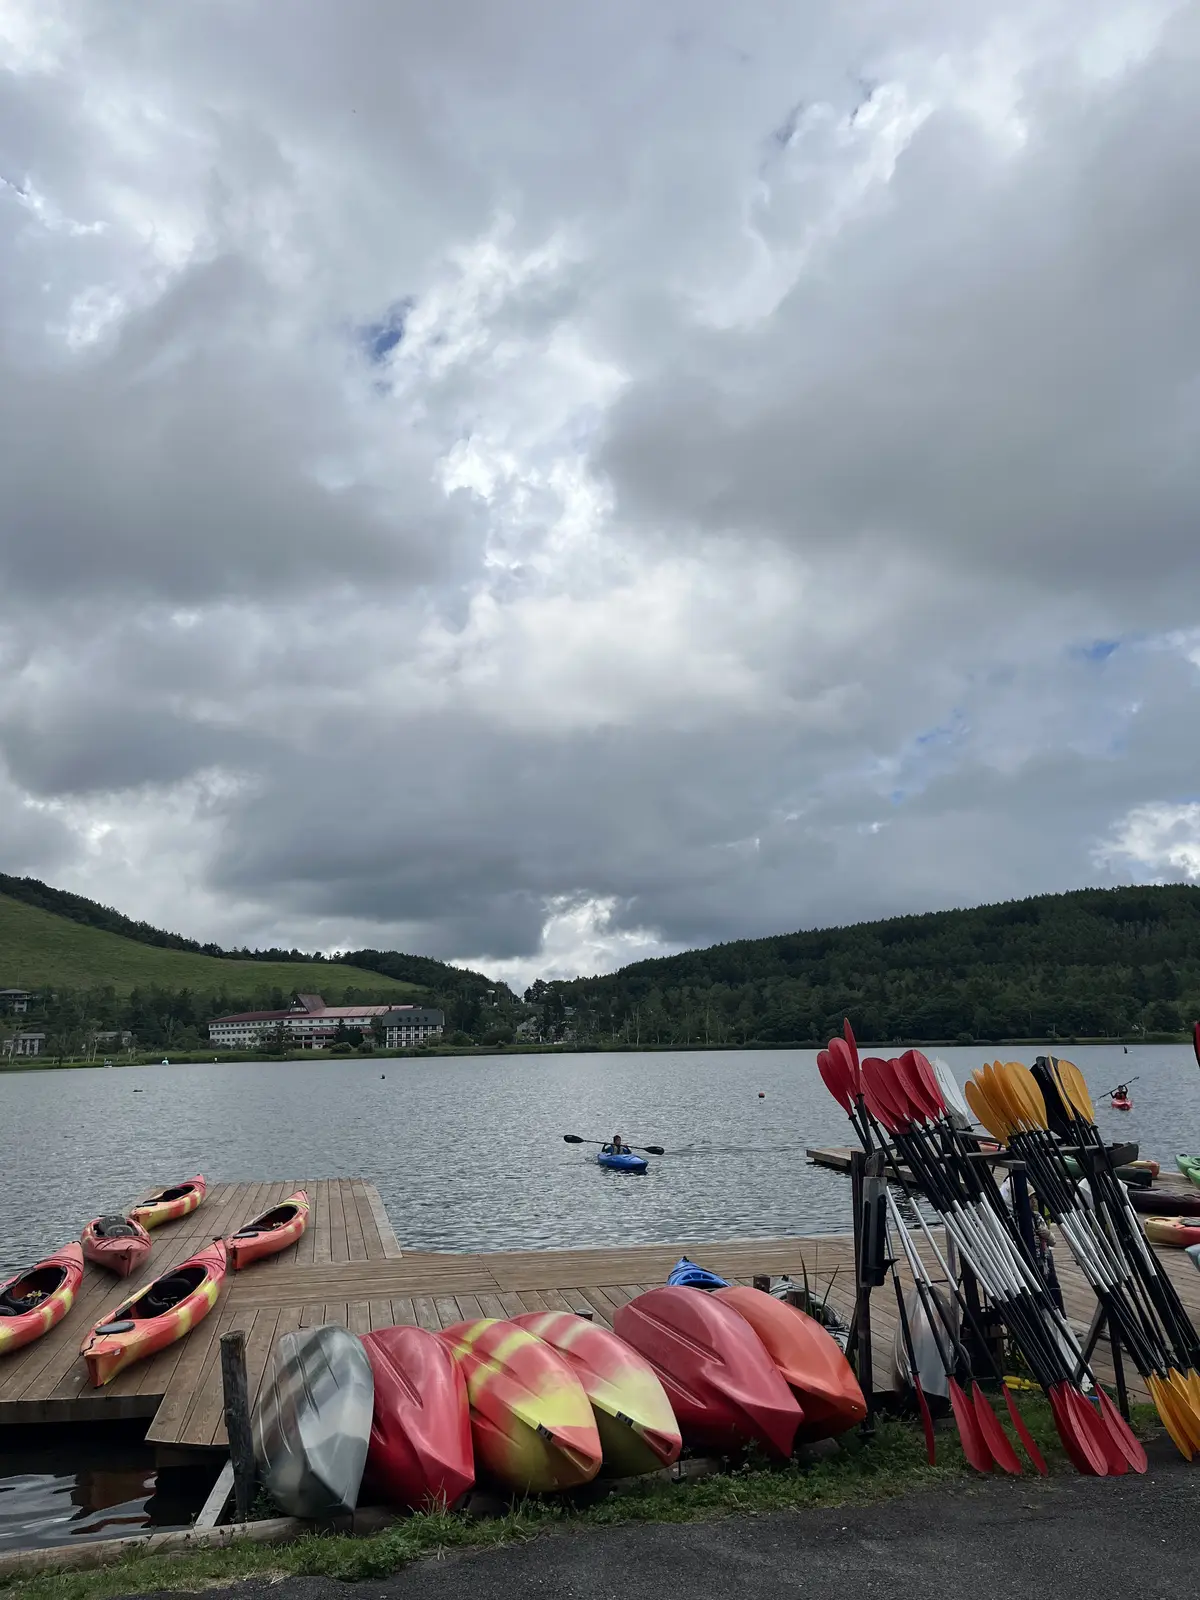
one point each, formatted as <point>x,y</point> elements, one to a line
<point>467,1152</point>
<point>468,1155</point>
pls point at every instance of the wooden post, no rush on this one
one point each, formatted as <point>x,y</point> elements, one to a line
<point>763,1283</point>
<point>237,1419</point>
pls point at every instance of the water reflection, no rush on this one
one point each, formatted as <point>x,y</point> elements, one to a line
<point>62,1484</point>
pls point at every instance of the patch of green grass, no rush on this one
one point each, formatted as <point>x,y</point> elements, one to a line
<point>40,950</point>
<point>857,1473</point>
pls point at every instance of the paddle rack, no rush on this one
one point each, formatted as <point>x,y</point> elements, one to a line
<point>868,1176</point>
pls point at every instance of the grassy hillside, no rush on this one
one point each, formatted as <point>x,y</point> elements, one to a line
<point>41,950</point>
<point>1092,962</point>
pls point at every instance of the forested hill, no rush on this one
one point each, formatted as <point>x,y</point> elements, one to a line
<point>1096,961</point>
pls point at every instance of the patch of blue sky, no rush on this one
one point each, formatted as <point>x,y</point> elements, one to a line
<point>1097,650</point>
<point>379,339</point>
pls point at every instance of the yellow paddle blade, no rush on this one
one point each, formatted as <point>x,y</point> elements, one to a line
<point>1185,1408</point>
<point>984,1111</point>
<point>1072,1086</point>
<point>1164,1404</point>
<point>1024,1092</point>
<point>997,1091</point>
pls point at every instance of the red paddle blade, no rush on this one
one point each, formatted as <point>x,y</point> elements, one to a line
<point>929,1081</point>
<point>1089,1417</point>
<point>1084,1454</point>
<point>926,1418</point>
<point>994,1436</point>
<point>834,1080</point>
<point>974,1448</point>
<point>848,1035</point>
<point>1023,1433</point>
<point>1122,1434</point>
<point>879,1091</point>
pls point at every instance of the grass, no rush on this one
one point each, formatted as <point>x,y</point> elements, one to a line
<point>857,1473</point>
<point>41,950</point>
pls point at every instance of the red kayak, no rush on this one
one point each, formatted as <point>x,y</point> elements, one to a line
<point>1120,1103</point>
<point>156,1316</point>
<point>168,1205</point>
<point>812,1364</point>
<point>724,1388</point>
<point>119,1243</point>
<point>34,1300</point>
<point>420,1451</point>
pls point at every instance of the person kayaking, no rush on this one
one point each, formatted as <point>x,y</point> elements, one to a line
<point>617,1147</point>
<point>1121,1092</point>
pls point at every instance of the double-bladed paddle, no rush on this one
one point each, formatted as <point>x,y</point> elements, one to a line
<point>646,1149</point>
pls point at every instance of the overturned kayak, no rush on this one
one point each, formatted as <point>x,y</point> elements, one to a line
<point>808,1359</point>
<point>312,1422</point>
<point>269,1233</point>
<point>168,1205</point>
<point>420,1451</point>
<point>932,1346</point>
<point>155,1316</point>
<point>1165,1202</point>
<point>638,1430</point>
<point>686,1274</point>
<point>1190,1167</point>
<point>1172,1232</point>
<point>531,1422</point>
<point>118,1243</point>
<point>33,1301</point>
<point>621,1160</point>
<point>724,1389</point>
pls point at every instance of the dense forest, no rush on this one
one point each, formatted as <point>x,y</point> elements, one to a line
<point>1091,963</point>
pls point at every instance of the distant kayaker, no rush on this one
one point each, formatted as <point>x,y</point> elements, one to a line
<point>618,1148</point>
<point>1121,1092</point>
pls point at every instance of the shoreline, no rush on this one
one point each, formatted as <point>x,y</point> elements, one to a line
<point>209,1058</point>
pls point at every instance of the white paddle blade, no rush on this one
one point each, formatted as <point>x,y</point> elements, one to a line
<point>956,1104</point>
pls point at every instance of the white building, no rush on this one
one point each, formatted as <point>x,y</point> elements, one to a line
<point>409,1025</point>
<point>25,1044</point>
<point>309,1024</point>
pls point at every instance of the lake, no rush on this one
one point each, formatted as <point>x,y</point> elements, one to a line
<point>467,1152</point>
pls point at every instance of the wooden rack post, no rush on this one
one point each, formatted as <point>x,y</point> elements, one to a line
<point>237,1419</point>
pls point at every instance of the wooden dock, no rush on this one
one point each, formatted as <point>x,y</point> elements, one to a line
<point>349,1269</point>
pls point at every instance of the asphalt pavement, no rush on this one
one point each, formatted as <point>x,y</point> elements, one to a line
<point>1070,1538</point>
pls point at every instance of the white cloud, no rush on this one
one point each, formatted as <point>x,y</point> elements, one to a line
<point>1158,840</point>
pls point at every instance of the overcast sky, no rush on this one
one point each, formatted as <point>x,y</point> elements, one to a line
<point>542,483</point>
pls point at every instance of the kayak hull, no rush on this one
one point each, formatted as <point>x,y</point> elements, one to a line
<point>56,1279</point>
<point>621,1163</point>
<point>637,1428</point>
<point>1121,1105</point>
<point>1165,1202</point>
<point>312,1422</point>
<point>133,1331</point>
<point>266,1237</point>
<point>724,1389</point>
<point>121,1255</point>
<point>809,1361</point>
<point>169,1205</point>
<point>531,1422</point>
<point>686,1274</point>
<point>1190,1167</point>
<point>420,1452</point>
<point>1172,1232</point>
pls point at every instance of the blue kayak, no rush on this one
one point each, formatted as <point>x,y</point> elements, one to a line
<point>621,1161</point>
<point>686,1274</point>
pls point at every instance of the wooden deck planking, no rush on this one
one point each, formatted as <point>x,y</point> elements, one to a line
<point>349,1269</point>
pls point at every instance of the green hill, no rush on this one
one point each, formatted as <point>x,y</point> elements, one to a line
<point>1092,962</point>
<point>42,950</point>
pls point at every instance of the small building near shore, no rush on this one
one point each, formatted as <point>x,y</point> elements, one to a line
<point>410,1025</point>
<point>16,1001</point>
<point>25,1044</point>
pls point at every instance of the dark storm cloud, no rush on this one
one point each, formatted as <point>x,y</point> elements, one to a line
<point>903,462</point>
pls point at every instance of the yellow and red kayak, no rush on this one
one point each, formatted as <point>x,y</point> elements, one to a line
<point>638,1430</point>
<point>168,1205</point>
<point>813,1366</point>
<point>269,1233</point>
<point>1174,1232</point>
<point>531,1422</point>
<point>155,1316</point>
<point>32,1301</point>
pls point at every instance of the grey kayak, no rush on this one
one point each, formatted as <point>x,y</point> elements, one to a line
<point>312,1422</point>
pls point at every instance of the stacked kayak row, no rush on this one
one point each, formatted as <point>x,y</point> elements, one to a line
<point>162,1311</point>
<point>543,1402</point>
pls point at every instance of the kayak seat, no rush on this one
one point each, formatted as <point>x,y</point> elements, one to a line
<point>248,1233</point>
<point>172,1194</point>
<point>114,1228</point>
<point>168,1292</point>
<point>126,1325</point>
